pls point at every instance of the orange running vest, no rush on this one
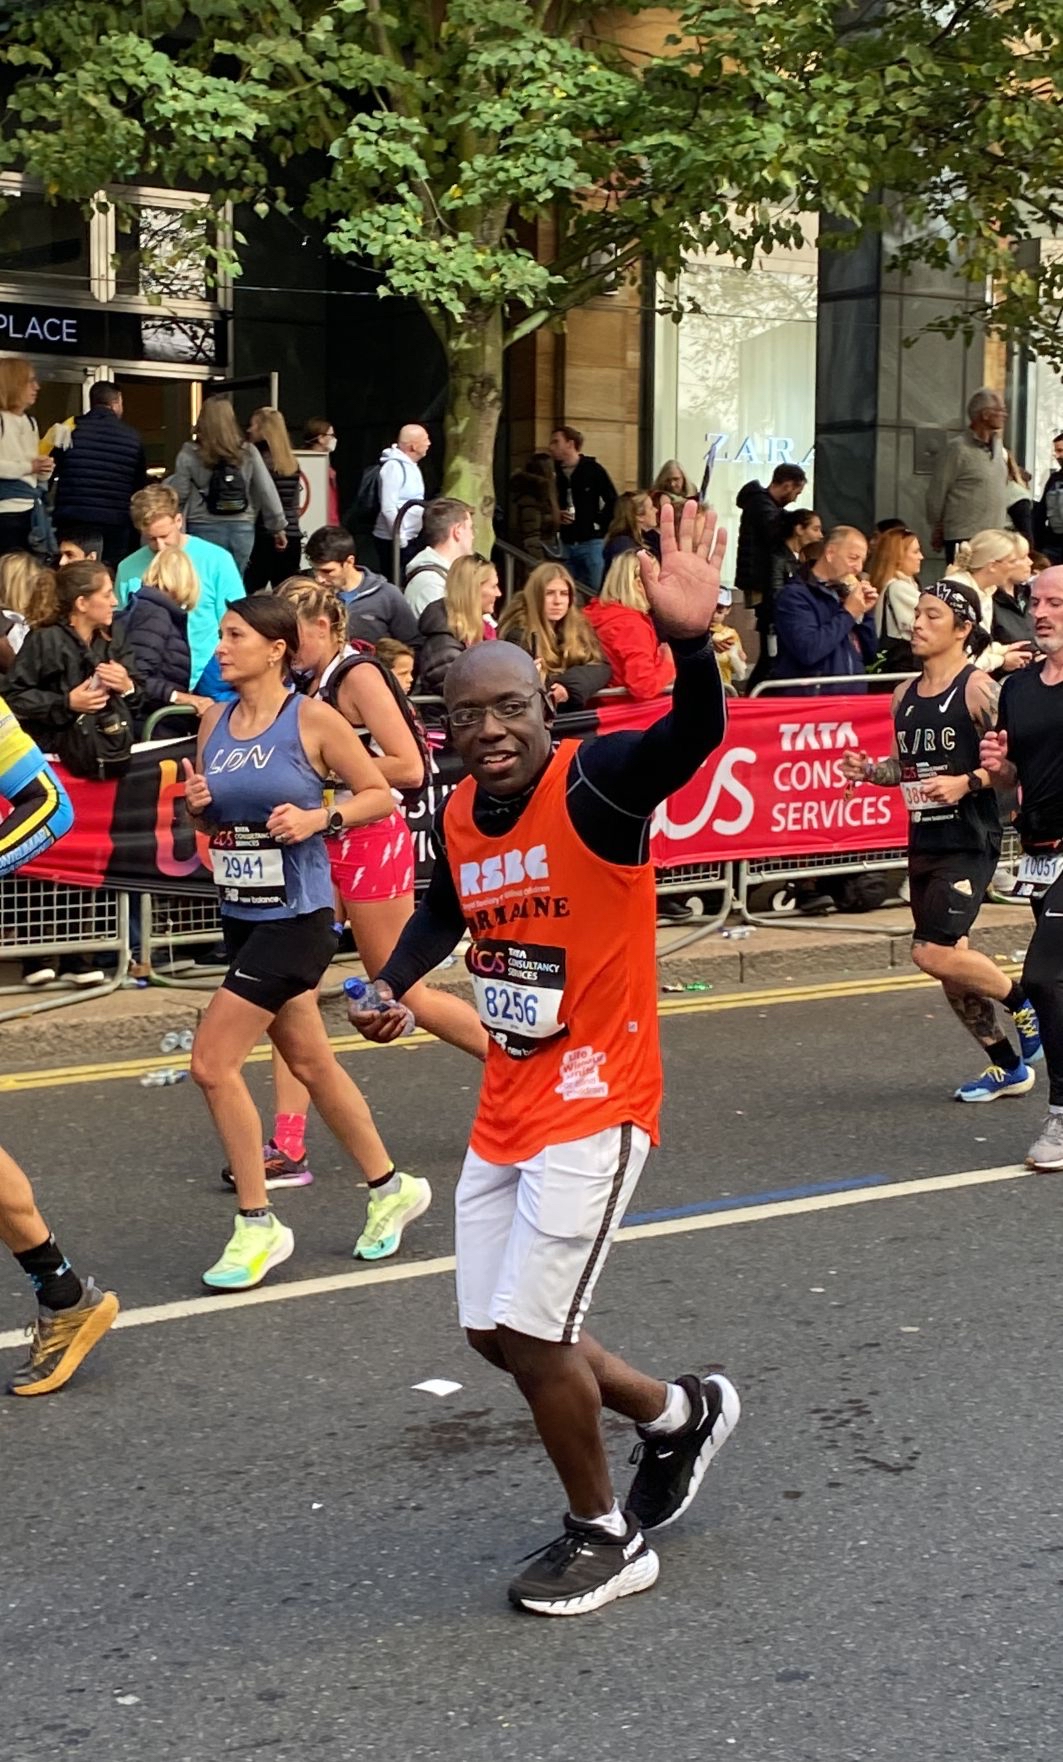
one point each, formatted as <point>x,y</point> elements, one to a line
<point>563,963</point>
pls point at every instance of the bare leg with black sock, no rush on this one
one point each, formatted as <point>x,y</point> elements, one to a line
<point>72,1316</point>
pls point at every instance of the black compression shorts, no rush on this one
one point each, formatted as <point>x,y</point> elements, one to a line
<point>277,959</point>
<point>946,894</point>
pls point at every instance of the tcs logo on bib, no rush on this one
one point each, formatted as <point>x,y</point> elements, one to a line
<point>507,870</point>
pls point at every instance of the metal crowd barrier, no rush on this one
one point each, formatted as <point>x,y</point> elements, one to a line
<point>50,920</point>
<point>47,919</point>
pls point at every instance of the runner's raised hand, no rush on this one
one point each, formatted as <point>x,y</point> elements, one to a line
<point>684,591</point>
<point>197,789</point>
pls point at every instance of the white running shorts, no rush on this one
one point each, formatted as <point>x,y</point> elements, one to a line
<point>532,1237</point>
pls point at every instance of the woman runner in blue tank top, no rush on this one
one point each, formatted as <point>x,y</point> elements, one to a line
<point>259,789</point>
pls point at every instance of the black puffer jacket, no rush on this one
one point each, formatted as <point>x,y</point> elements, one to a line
<point>440,648</point>
<point>756,539</point>
<point>51,663</point>
<point>155,629</point>
<point>287,489</point>
<point>99,471</point>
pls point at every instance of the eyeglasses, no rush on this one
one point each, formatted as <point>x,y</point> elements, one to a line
<point>507,709</point>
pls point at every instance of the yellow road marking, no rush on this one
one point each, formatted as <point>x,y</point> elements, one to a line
<point>689,1004</point>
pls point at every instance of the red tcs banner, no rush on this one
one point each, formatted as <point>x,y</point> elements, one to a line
<point>775,787</point>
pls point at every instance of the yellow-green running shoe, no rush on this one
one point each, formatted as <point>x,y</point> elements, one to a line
<point>251,1251</point>
<point>388,1215</point>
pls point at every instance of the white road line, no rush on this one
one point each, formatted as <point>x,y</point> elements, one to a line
<point>398,1273</point>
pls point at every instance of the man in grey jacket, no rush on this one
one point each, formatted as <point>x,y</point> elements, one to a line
<point>375,607</point>
<point>968,490</point>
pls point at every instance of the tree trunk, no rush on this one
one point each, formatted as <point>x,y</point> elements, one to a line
<point>474,353</point>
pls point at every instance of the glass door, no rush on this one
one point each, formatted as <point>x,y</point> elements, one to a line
<point>164,410</point>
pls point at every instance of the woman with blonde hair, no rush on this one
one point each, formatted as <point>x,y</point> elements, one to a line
<point>155,624</point>
<point>544,620</point>
<point>22,467</point>
<point>671,480</point>
<point>19,575</point>
<point>269,565</point>
<point>622,620</point>
<point>985,562</point>
<point>893,566</point>
<point>223,486</point>
<point>456,622</point>
<point>372,865</point>
<point>633,527</point>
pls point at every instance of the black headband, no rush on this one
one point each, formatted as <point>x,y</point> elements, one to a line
<point>957,602</point>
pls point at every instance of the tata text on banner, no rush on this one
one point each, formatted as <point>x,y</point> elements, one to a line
<point>775,787</point>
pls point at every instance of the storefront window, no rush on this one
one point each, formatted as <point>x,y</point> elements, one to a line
<point>43,243</point>
<point>157,254</point>
<point>736,380</point>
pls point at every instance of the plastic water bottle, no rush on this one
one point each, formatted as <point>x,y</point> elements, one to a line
<point>177,1040</point>
<point>363,994</point>
<point>162,1079</point>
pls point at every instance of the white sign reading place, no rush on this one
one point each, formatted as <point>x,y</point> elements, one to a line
<point>23,325</point>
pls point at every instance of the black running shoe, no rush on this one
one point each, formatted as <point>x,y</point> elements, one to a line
<point>671,1469</point>
<point>584,1569</point>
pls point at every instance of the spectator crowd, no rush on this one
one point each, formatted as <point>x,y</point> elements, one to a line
<point>112,584</point>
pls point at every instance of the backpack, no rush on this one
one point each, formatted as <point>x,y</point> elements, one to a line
<point>100,743</point>
<point>411,794</point>
<point>366,505</point>
<point>226,491</point>
<point>1054,508</point>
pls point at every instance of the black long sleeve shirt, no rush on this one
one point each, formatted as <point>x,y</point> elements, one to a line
<point>614,784</point>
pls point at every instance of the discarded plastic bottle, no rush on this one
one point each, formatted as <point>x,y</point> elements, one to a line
<point>364,995</point>
<point>177,1040</point>
<point>736,935</point>
<point>162,1079</point>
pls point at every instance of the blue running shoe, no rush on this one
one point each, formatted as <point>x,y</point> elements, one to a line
<point>995,1082</point>
<point>1029,1030</point>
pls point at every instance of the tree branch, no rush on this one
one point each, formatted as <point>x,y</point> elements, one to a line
<point>574,295</point>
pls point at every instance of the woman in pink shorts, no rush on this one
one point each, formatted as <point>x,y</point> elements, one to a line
<point>372,866</point>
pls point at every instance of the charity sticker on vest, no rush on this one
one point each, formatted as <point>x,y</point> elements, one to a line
<point>519,989</point>
<point>581,1075</point>
<point>248,866</point>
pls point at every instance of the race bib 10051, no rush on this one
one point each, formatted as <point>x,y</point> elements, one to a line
<point>1036,875</point>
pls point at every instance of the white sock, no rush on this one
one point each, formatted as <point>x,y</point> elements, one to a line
<point>1052,1109</point>
<point>614,1521</point>
<point>675,1415</point>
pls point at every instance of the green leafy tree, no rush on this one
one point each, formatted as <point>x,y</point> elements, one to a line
<point>501,161</point>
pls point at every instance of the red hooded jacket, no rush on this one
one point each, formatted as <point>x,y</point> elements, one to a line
<point>640,663</point>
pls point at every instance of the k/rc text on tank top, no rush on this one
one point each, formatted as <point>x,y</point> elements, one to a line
<point>563,966</point>
<point>259,878</point>
<point>937,738</point>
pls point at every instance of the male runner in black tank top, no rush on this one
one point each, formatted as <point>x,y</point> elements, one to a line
<point>954,838</point>
<point>1027,751</point>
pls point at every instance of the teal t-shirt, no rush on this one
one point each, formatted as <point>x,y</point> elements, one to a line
<point>219,584</point>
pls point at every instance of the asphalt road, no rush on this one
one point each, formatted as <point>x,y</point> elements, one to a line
<point>244,1533</point>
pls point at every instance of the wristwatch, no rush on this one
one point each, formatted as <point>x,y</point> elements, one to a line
<point>335,824</point>
<point>974,782</point>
